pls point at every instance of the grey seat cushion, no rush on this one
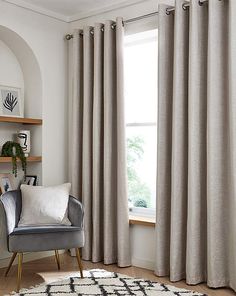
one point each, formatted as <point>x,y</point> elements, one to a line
<point>44,229</point>
<point>31,240</point>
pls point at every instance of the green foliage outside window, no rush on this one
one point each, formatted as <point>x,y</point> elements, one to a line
<point>138,192</point>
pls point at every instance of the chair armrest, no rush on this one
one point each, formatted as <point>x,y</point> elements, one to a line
<point>76,212</point>
<point>3,230</point>
<point>11,202</point>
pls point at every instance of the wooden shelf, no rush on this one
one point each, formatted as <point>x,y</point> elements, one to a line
<point>29,159</point>
<point>32,121</point>
<point>144,221</point>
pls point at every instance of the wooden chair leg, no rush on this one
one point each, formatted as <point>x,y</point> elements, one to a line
<point>20,260</point>
<point>10,263</point>
<point>57,256</point>
<point>79,262</point>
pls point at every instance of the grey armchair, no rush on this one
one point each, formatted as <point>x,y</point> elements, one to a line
<point>41,238</point>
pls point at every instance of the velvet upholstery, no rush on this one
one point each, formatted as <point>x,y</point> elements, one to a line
<point>42,238</point>
<point>34,242</point>
<point>75,212</point>
<point>44,229</point>
<point>12,204</point>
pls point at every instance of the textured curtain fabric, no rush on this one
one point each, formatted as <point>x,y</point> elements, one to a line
<point>98,160</point>
<point>196,179</point>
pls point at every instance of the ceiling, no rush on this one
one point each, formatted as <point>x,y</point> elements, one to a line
<point>70,10</point>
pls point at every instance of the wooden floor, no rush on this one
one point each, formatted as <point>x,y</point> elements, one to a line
<point>45,271</point>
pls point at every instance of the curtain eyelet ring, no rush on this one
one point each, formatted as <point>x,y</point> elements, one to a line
<point>167,11</point>
<point>184,6</point>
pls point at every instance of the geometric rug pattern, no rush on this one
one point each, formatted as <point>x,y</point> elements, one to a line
<point>104,283</point>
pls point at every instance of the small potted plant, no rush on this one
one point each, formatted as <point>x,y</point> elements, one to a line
<point>14,150</point>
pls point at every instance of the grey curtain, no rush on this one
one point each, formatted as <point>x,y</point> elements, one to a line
<point>196,179</point>
<point>98,160</point>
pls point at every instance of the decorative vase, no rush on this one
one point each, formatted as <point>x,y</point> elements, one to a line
<point>23,138</point>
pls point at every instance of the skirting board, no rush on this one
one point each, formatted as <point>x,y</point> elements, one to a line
<point>29,257</point>
<point>142,263</point>
<point>135,261</point>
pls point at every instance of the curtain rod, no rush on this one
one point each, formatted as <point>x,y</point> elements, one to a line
<point>168,11</point>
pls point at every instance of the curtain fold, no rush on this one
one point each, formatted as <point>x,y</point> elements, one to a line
<point>196,144</point>
<point>196,264</point>
<point>179,155</point>
<point>232,122</point>
<point>218,148</point>
<point>164,138</point>
<point>98,139</point>
<point>75,169</point>
<point>98,165</point>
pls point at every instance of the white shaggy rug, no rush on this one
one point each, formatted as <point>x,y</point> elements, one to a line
<point>102,282</point>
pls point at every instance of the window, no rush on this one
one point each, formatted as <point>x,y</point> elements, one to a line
<point>141,120</point>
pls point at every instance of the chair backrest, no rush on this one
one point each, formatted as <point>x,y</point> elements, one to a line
<point>12,203</point>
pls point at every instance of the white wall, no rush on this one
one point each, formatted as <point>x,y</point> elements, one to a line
<point>142,237</point>
<point>143,246</point>
<point>10,69</point>
<point>10,75</point>
<point>44,36</point>
<point>128,12</point>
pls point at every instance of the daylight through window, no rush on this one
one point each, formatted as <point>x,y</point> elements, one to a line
<point>141,119</point>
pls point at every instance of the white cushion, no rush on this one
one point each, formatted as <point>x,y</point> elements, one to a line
<point>44,205</point>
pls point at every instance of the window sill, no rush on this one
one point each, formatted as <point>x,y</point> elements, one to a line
<point>144,221</point>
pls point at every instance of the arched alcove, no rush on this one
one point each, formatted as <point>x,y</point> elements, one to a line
<point>10,69</point>
<point>26,74</point>
<point>19,68</point>
<point>30,69</point>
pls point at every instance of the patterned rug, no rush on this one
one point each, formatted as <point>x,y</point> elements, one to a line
<point>101,282</point>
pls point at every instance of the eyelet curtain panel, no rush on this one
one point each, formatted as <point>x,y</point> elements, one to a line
<point>98,159</point>
<point>196,175</point>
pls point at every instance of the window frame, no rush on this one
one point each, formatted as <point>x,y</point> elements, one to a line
<point>143,212</point>
<point>138,211</point>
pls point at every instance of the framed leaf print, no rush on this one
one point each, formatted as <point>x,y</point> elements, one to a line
<point>11,102</point>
